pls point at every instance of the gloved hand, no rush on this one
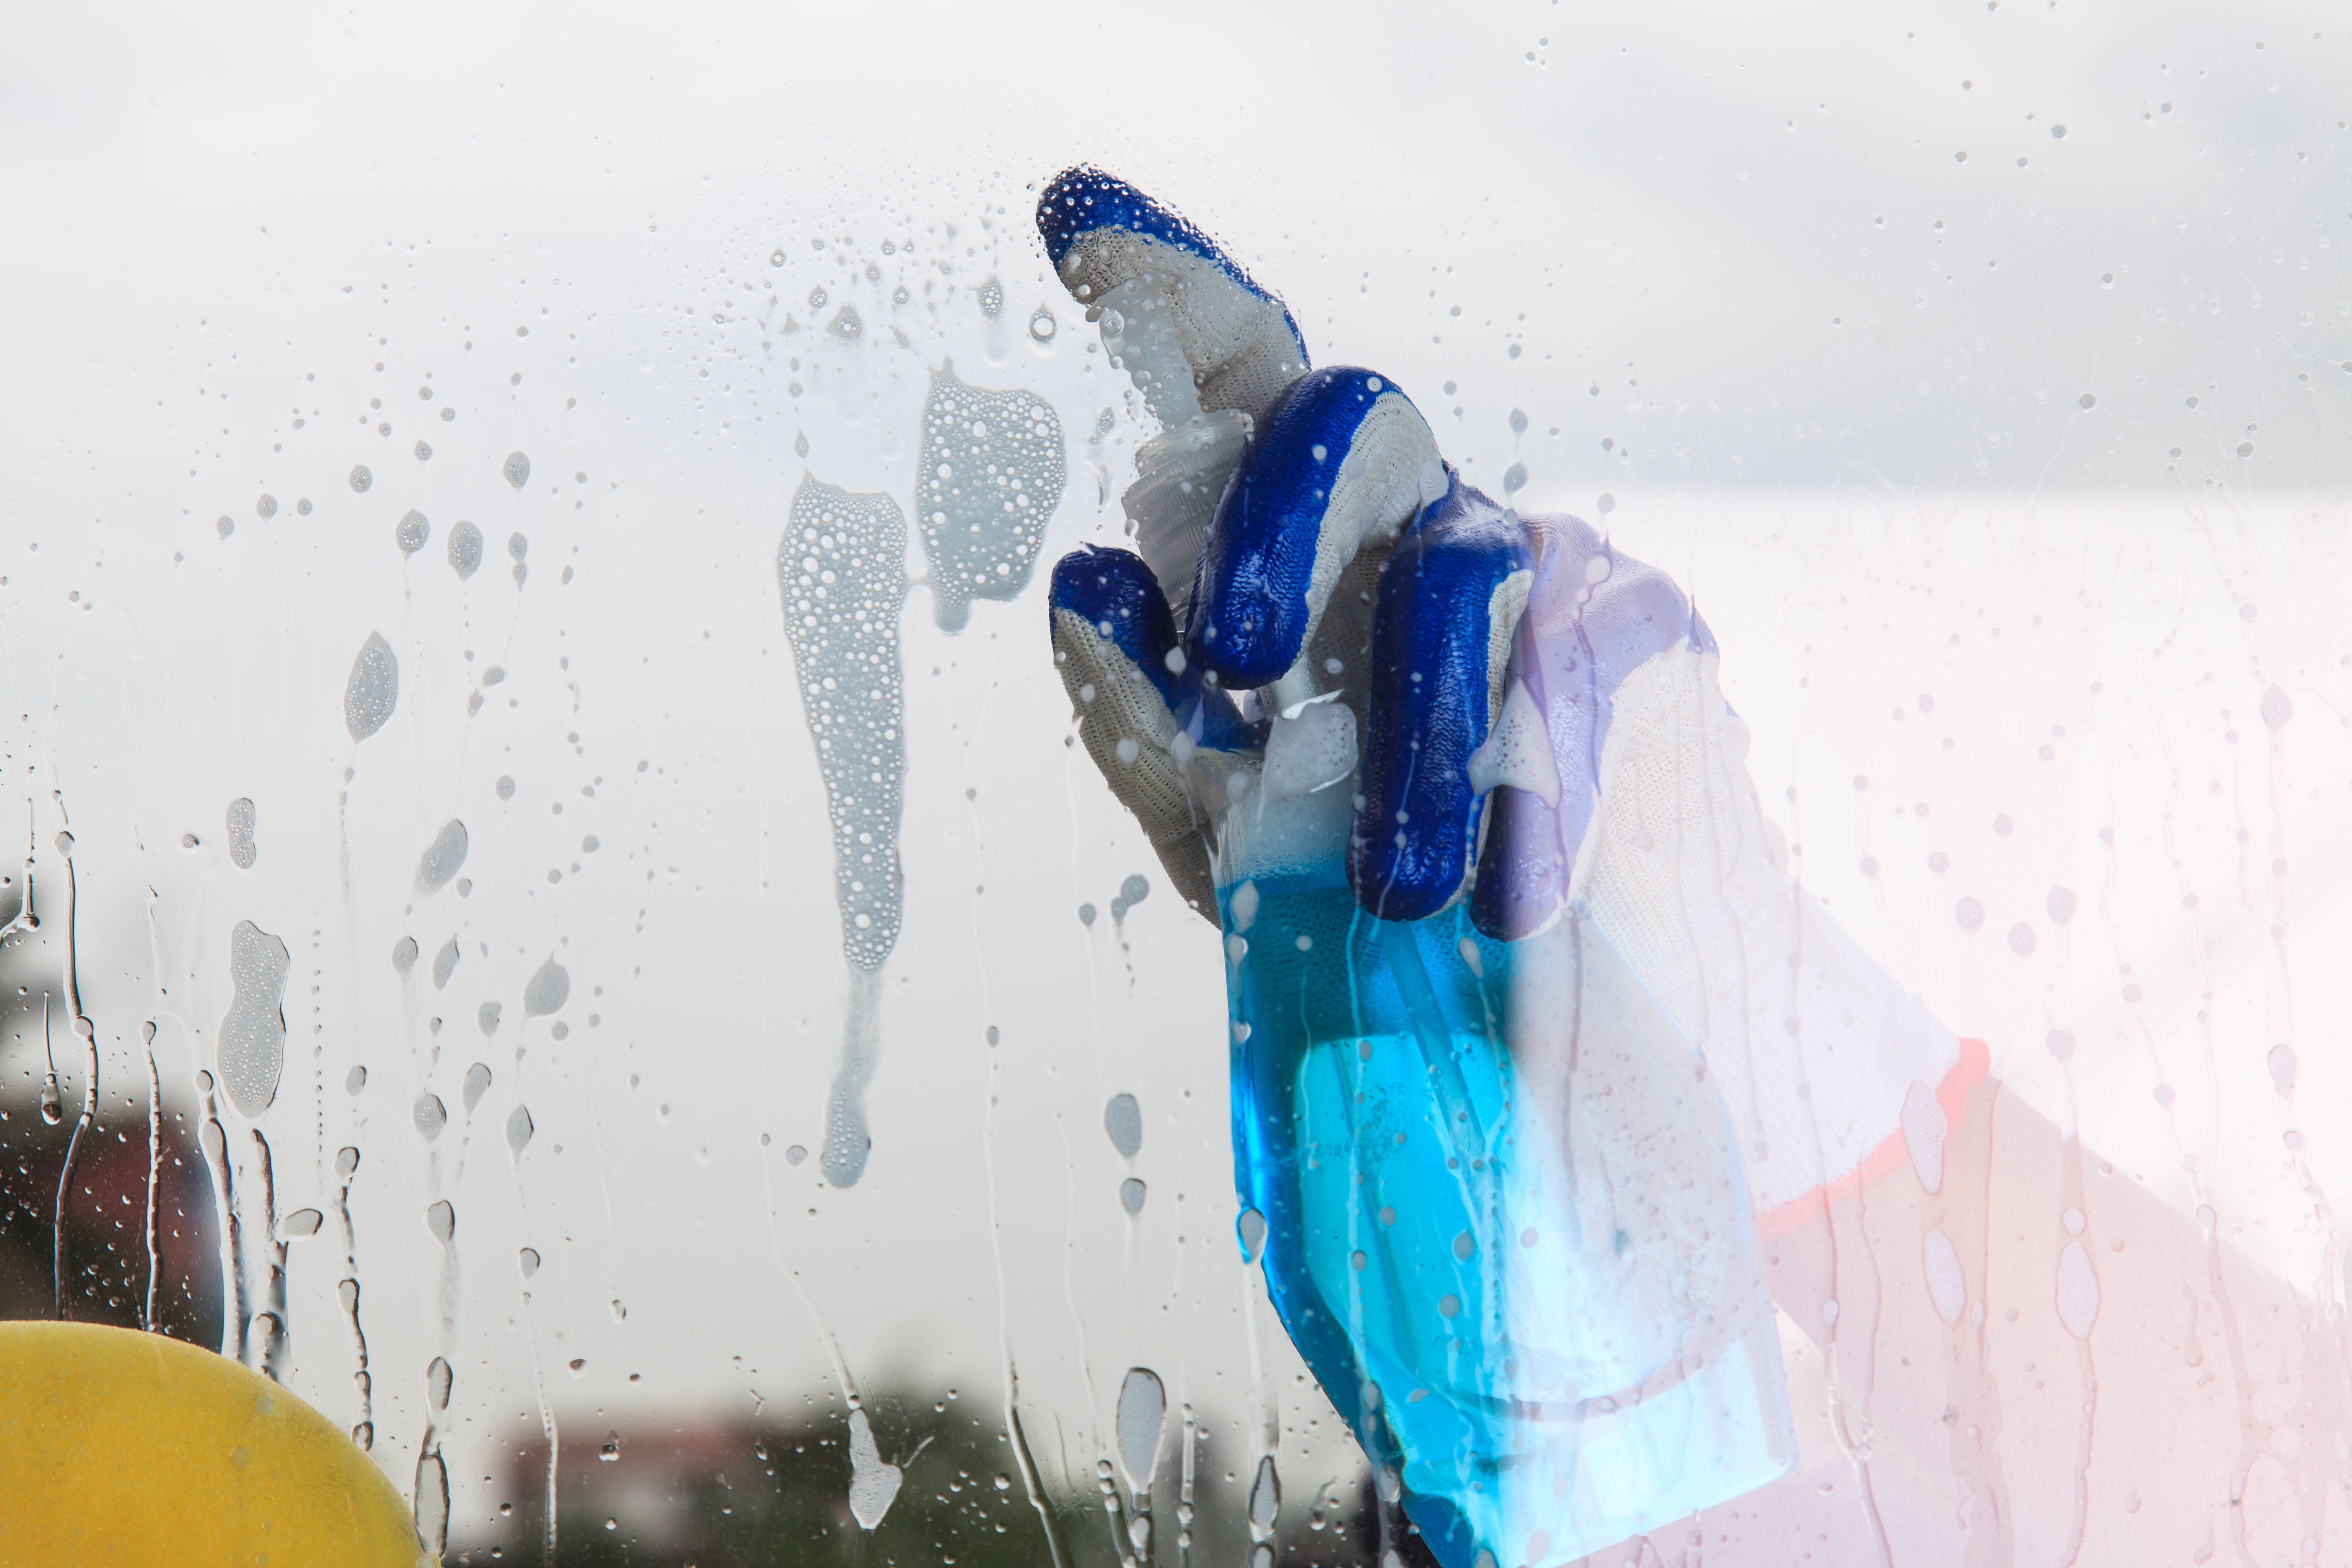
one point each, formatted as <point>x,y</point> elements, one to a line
<point>1527,1020</point>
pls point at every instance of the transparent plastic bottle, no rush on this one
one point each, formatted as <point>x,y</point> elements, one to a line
<point>1500,1212</point>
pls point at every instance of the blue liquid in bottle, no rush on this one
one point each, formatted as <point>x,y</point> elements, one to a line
<point>1503,1220</point>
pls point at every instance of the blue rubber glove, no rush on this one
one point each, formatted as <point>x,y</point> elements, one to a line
<point>1500,1205</point>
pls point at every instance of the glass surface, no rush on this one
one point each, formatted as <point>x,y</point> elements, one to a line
<point>417,710</point>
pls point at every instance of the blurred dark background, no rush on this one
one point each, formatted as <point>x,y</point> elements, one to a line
<point>104,1216</point>
<point>697,1490</point>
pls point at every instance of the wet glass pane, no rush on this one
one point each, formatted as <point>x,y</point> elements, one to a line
<point>1556,783</point>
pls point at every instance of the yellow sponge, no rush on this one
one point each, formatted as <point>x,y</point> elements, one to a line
<point>126,1448</point>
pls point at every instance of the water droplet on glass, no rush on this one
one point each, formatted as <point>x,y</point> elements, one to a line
<point>527,1259</point>
<point>2277,709</point>
<point>404,954</point>
<point>1515,478</point>
<point>373,688</point>
<point>432,1509</point>
<point>1132,1194</point>
<point>266,508</point>
<point>518,1130</point>
<point>465,550</point>
<point>360,479</point>
<point>516,470</point>
<point>488,1016</point>
<point>550,988</point>
<point>445,964</point>
<point>991,299</point>
<point>873,1485</point>
<point>846,324</point>
<point>431,1115</point>
<point>2021,939</point>
<point>2078,1290</point>
<point>1131,892</point>
<point>1041,325</point>
<point>1141,1419</point>
<point>437,1381</point>
<point>442,858</point>
<point>1969,913</point>
<point>477,1084</point>
<point>2283,1065</point>
<point>253,1033</point>
<point>355,1080</point>
<point>241,822</point>
<point>301,1222</point>
<point>1265,1497</point>
<point>1123,1119</point>
<point>441,1219</point>
<point>2060,904</point>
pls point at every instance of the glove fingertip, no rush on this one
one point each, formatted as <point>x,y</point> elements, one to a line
<point>1335,465</point>
<point>1447,605</point>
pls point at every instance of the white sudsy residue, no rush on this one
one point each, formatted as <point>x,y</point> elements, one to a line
<point>989,472</point>
<point>1312,749</point>
<point>1519,751</point>
<point>842,568</point>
